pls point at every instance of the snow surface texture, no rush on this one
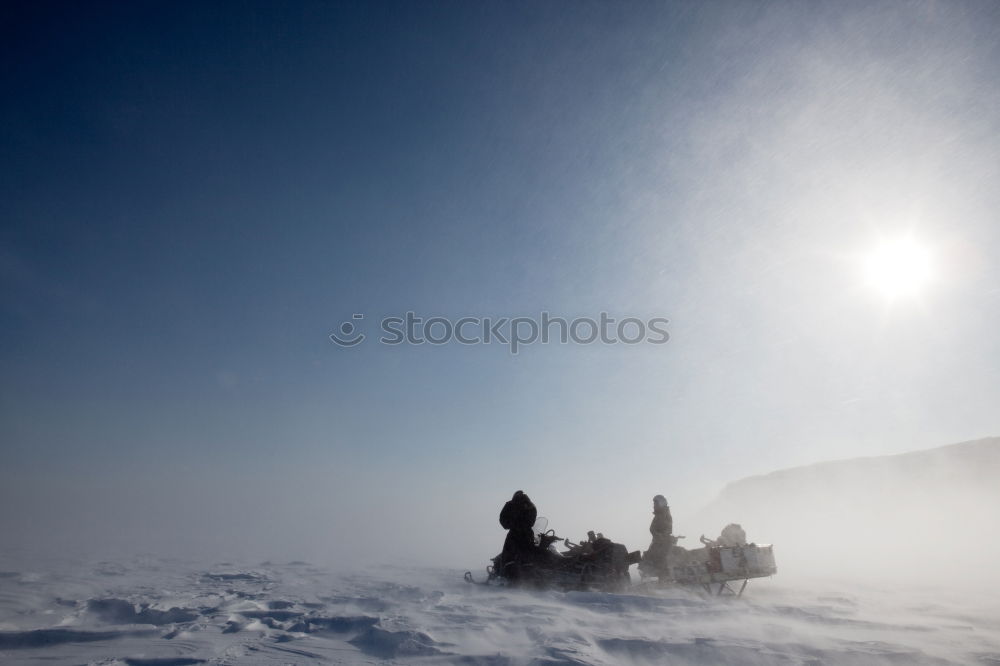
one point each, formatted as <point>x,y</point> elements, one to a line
<point>150,610</point>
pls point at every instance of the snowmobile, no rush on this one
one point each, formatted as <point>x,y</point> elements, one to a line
<point>597,563</point>
<point>601,564</point>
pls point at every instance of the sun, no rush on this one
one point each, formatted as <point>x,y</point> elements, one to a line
<point>899,267</point>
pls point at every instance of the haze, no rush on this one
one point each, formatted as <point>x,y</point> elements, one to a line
<point>193,199</point>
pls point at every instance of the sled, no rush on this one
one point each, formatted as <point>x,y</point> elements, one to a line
<point>715,568</point>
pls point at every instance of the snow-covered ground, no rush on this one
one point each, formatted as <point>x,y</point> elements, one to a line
<point>151,610</point>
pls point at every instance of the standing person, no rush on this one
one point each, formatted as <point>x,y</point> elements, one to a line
<point>655,560</point>
<point>518,517</point>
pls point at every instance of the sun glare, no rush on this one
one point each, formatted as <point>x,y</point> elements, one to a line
<point>899,268</point>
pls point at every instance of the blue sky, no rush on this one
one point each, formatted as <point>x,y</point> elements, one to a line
<point>194,197</point>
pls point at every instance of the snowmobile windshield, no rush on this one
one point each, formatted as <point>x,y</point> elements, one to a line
<point>541,524</point>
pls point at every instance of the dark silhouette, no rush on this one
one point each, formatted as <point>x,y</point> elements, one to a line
<point>518,518</point>
<point>530,559</point>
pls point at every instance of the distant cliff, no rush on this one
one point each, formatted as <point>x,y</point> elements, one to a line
<point>931,512</point>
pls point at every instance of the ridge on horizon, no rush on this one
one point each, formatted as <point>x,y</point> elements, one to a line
<point>879,518</point>
<point>983,443</point>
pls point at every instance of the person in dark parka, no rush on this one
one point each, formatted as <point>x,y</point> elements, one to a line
<point>518,517</point>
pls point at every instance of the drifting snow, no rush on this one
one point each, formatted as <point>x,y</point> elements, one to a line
<point>156,611</point>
